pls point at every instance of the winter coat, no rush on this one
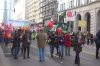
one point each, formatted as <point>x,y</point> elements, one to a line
<point>52,39</point>
<point>77,45</point>
<point>97,39</point>
<point>16,40</point>
<point>68,40</point>
<point>25,40</point>
<point>62,40</point>
<point>41,40</point>
<point>57,43</point>
<point>7,35</point>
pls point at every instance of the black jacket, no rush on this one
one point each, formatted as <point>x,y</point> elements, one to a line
<point>16,40</point>
<point>77,46</point>
<point>97,40</point>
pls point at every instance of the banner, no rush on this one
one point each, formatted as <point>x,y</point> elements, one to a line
<point>82,24</point>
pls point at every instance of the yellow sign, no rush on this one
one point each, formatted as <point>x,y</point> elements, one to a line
<point>82,24</point>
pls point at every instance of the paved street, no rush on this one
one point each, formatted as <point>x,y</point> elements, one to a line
<point>87,58</point>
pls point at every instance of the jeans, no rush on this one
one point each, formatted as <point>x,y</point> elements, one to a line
<point>52,49</point>
<point>41,54</point>
<point>16,52</point>
<point>67,51</point>
<point>1,40</point>
<point>6,41</point>
<point>61,50</point>
<point>77,58</point>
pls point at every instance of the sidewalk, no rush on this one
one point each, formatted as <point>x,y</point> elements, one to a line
<point>3,59</point>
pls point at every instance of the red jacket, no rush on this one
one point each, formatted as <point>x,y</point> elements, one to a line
<point>7,35</point>
<point>68,41</point>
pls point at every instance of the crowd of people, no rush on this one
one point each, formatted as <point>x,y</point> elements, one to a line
<point>62,41</point>
<point>21,40</point>
<point>17,39</point>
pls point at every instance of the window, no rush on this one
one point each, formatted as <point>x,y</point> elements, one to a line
<point>49,12</point>
<point>71,4</point>
<point>60,7</point>
<point>85,1</point>
<point>78,2</point>
<point>52,12</point>
<point>64,6</point>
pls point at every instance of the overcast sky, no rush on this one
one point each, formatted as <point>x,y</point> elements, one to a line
<point>1,9</point>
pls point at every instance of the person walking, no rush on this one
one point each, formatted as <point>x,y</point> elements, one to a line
<point>1,36</point>
<point>26,40</point>
<point>67,44</point>
<point>77,48</point>
<point>88,38</point>
<point>7,36</point>
<point>52,43</point>
<point>41,42</point>
<point>61,45</point>
<point>92,39</point>
<point>57,35</point>
<point>11,44</point>
<point>16,45</point>
<point>97,41</point>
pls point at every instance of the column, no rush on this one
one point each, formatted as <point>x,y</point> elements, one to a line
<point>75,29</point>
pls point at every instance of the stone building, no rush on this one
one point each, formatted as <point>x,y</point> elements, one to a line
<point>86,11</point>
<point>48,10</point>
<point>32,10</point>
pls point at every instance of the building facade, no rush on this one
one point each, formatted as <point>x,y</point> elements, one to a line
<point>19,10</point>
<point>85,15</point>
<point>41,10</point>
<point>32,10</point>
<point>48,10</point>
